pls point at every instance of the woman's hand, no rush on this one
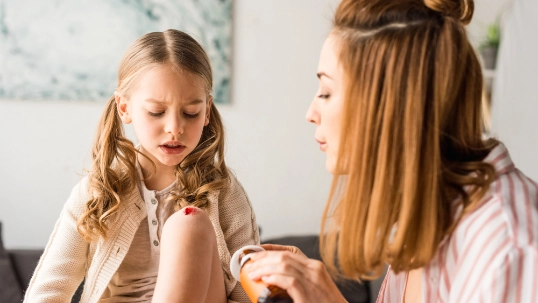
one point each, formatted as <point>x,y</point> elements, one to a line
<point>291,249</point>
<point>305,280</point>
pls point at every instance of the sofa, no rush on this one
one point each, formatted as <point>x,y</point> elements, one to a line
<point>17,266</point>
<point>16,269</point>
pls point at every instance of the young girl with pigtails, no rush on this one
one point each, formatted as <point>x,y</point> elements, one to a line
<point>154,222</point>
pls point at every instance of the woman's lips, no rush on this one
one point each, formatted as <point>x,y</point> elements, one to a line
<point>172,148</point>
<point>322,145</point>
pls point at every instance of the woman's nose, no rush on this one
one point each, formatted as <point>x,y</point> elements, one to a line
<point>312,114</point>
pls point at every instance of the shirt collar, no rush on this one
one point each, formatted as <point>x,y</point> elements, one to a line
<point>500,159</point>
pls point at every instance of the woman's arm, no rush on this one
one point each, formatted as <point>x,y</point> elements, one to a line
<point>305,280</point>
<point>61,267</point>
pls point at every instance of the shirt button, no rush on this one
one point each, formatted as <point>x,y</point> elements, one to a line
<point>153,201</point>
<point>156,243</point>
<point>154,222</point>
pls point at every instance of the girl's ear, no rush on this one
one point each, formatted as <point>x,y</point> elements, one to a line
<point>122,106</point>
<point>208,112</point>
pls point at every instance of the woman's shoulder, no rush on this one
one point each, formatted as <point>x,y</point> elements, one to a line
<point>506,219</point>
<point>515,196</point>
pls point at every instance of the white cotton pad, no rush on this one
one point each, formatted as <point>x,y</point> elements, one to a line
<point>236,264</point>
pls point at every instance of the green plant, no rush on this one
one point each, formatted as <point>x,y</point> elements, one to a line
<point>493,36</point>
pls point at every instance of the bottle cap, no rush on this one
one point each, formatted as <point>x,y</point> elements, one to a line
<point>236,263</point>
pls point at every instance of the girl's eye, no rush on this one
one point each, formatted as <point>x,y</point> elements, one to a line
<point>324,96</point>
<point>156,114</point>
<point>191,116</point>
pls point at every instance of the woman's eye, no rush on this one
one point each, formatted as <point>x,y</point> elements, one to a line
<point>191,116</point>
<point>155,114</point>
<point>324,96</point>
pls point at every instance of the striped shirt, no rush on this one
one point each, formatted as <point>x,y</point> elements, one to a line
<point>492,255</point>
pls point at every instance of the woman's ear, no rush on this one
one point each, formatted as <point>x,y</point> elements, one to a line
<point>208,111</point>
<point>123,108</point>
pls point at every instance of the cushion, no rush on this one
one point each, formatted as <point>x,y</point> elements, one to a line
<point>10,290</point>
<point>24,262</point>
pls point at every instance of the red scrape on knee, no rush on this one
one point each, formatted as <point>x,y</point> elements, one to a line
<point>189,211</point>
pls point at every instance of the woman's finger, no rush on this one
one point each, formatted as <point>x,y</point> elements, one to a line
<point>292,249</point>
<point>305,280</point>
<point>305,283</point>
<point>292,285</point>
<point>269,262</point>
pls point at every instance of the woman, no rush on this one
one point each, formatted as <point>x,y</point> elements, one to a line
<point>415,184</point>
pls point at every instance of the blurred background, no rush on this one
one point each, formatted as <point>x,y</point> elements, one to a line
<point>45,144</point>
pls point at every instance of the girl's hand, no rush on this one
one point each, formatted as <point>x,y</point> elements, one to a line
<point>305,280</point>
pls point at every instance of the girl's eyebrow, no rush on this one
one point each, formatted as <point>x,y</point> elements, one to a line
<point>154,100</point>
<point>196,101</point>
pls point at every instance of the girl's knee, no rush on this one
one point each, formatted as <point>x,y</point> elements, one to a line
<point>188,219</point>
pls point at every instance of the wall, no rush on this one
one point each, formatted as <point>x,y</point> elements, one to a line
<point>45,145</point>
<point>515,100</point>
<point>486,12</point>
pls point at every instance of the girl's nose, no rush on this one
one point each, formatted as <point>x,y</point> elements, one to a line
<point>174,126</point>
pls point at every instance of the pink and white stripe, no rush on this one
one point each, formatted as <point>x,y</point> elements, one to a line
<point>492,255</point>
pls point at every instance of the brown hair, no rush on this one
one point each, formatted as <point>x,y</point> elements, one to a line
<point>413,134</point>
<point>113,176</point>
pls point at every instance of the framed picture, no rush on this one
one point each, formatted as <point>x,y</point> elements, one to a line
<point>71,49</point>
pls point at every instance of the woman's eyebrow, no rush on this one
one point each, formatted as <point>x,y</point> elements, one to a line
<point>320,74</point>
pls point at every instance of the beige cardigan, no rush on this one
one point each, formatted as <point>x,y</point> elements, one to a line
<point>68,259</point>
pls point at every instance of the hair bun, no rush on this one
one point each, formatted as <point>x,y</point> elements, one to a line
<point>459,9</point>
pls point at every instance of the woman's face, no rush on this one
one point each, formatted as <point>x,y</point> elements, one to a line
<point>168,111</point>
<point>326,108</point>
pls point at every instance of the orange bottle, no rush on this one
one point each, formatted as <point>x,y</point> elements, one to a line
<point>257,291</point>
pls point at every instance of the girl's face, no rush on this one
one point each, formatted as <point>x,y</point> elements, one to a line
<point>168,111</point>
<point>326,108</point>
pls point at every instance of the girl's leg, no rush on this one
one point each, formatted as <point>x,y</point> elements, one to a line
<point>189,269</point>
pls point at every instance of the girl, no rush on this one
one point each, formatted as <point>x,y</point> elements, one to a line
<point>168,208</point>
<point>416,185</point>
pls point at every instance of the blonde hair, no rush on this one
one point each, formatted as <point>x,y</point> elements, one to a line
<point>413,143</point>
<point>113,175</point>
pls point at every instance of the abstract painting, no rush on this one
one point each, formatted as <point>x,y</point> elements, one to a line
<point>70,50</point>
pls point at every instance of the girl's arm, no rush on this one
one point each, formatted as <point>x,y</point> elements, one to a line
<point>62,266</point>
<point>239,228</point>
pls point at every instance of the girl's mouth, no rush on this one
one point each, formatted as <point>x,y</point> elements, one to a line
<point>172,148</point>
